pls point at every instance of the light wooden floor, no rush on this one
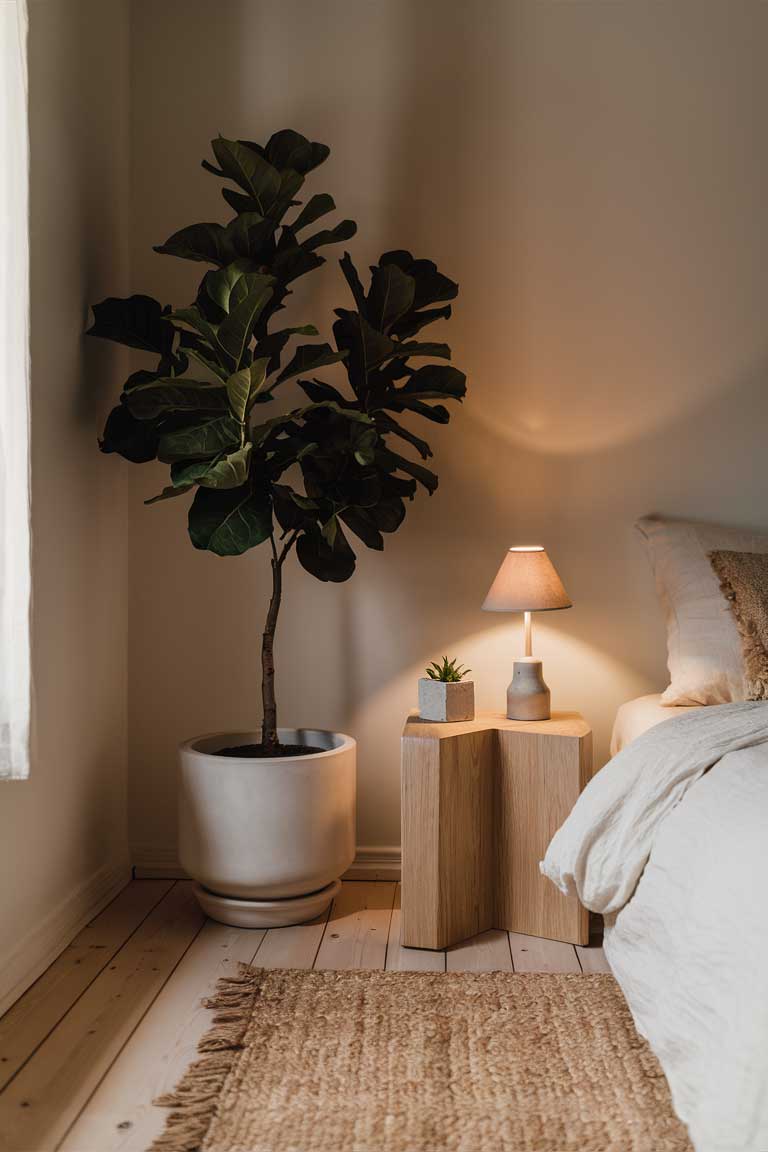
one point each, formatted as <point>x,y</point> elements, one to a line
<point>116,1019</point>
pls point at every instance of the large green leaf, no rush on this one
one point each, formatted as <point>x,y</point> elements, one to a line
<point>335,563</point>
<point>243,238</point>
<point>416,348</point>
<point>201,440</point>
<point>185,473</point>
<point>289,149</point>
<point>229,522</point>
<point>386,424</point>
<point>413,322</point>
<point>229,472</point>
<point>229,286</point>
<point>398,486</point>
<point>389,513</point>
<point>365,345</point>
<point>364,439</point>
<point>192,320</point>
<point>362,524</point>
<point>238,201</point>
<point>316,390</point>
<point>309,357</point>
<point>252,172</point>
<point>292,510</point>
<point>175,394</point>
<point>286,451</point>
<point>290,184</point>
<point>352,278</point>
<point>261,433</point>
<point>133,439</point>
<point>140,377</point>
<point>293,260</point>
<point>247,234</point>
<point>136,322</point>
<point>273,343</point>
<point>169,492</point>
<point>437,413</point>
<point>432,286</point>
<point>235,332</point>
<point>208,361</point>
<point>351,414</point>
<point>203,242</point>
<point>344,230</point>
<point>392,462</point>
<point>390,296</point>
<point>435,382</point>
<point>316,206</point>
<point>245,385</point>
<point>360,487</point>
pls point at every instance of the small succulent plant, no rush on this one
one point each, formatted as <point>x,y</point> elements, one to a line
<point>449,671</point>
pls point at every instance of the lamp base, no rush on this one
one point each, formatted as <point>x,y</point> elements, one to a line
<point>527,695</point>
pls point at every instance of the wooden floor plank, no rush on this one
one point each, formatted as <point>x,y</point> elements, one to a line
<point>292,947</point>
<point>120,1116</point>
<point>401,959</point>
<point>593,959</point>
<point>27,1023</point>
<point>488,952</point>
<point>532,954</point>
<point>358,927</point>
<point>41,1102</point>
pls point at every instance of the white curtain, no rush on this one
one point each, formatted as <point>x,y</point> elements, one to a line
<point>15,683</point>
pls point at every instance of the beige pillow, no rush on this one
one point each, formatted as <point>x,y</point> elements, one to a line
<point>704,653</point>
<point>744,583</point>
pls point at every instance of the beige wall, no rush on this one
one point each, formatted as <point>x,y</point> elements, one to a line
<point>63,838</point>
<point>595,177</point>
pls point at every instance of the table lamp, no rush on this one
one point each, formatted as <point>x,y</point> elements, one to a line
<point>527,582</point>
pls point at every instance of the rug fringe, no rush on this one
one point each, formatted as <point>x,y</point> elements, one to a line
<point>195,1098</point>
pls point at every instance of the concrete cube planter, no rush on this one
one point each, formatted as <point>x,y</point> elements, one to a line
<point>445,702</point>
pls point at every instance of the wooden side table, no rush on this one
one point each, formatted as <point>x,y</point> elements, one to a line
<point>480,802</point>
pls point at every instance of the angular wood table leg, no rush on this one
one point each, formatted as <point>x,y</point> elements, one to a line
<point>540,778</point>
<point>448,790</point>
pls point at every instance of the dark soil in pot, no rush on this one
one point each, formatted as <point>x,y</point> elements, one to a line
<point>257,751</point>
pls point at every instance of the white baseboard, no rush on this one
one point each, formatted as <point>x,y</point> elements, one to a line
<point>151,862</point>
<point>377,863</point>
<point>156,862</point>
<point>28,958</point>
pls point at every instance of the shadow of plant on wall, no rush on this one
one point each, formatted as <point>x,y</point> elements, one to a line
<point>300,478</point>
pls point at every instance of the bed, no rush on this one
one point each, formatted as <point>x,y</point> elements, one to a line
<point>637,716</point>
<point>670,843</point>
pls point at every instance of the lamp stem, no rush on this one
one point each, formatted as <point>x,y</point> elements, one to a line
<point>528,634</point>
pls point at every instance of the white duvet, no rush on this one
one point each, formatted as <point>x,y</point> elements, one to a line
<point>670,842</point>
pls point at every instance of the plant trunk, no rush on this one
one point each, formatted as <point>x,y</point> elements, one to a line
<point>269,738</point>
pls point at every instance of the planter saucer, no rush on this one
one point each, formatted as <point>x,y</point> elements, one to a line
<point>265,913</point>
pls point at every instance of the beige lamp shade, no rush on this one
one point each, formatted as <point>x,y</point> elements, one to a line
<point>526,582</point>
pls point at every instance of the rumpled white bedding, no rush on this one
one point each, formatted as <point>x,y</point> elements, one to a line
<point>670,842</point>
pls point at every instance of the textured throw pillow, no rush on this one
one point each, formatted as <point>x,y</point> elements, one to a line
<point>743,580</point>
<point>706,665</point>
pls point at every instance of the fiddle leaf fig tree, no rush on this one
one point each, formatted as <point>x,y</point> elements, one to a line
<point>309,477</point>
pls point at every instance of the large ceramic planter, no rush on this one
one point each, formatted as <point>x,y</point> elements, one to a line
<point>267,839</point>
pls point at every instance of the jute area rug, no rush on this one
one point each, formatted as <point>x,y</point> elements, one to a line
<point>419,1062</point>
